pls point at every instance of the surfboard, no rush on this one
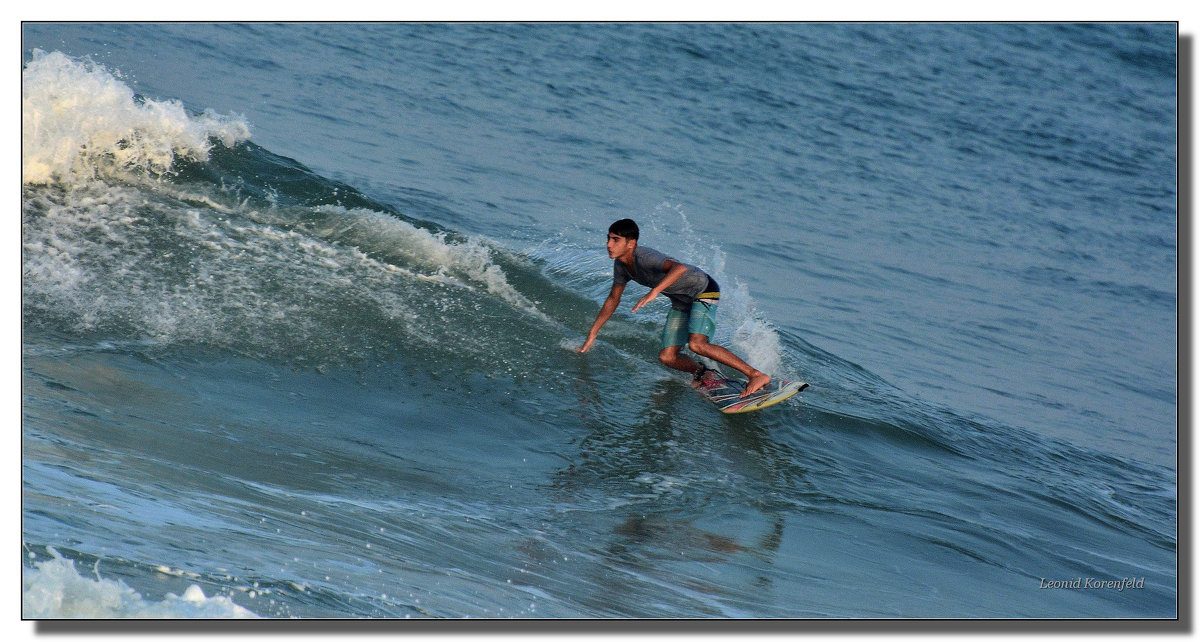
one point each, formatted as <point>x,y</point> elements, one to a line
<point>725,394</point>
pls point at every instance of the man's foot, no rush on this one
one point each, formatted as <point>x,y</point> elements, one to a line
<point>755,384</point>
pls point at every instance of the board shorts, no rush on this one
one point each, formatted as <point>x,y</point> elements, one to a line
<point>701,319</point>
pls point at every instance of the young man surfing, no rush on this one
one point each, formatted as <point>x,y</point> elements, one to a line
<point>694,296</point>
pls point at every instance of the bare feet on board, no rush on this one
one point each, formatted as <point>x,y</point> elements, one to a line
<point>755,383</point>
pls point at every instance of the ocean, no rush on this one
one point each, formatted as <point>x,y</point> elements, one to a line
<point>300,305</point>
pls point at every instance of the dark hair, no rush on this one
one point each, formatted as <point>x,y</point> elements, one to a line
<point>624,228</point>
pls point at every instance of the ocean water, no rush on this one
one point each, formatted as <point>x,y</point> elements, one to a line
<point>299,305</point>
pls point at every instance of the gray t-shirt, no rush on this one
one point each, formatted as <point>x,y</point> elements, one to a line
<point>648,270</point>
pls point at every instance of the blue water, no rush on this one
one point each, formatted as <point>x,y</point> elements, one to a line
<point>300,304</point>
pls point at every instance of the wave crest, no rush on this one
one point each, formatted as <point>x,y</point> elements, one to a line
<point>78,120</point>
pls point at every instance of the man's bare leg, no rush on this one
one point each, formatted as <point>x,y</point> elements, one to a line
<point>699,344</point>
<point>671,358</point>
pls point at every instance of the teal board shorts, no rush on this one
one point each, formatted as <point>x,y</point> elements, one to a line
<point>701,319</point>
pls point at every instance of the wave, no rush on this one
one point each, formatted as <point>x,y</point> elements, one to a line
<point>142,222</point>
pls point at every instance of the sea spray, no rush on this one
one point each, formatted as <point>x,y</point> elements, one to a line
<point>78,120</point>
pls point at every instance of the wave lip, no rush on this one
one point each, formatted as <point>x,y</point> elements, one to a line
<point>79,120</point>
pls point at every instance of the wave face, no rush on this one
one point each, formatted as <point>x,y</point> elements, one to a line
<point>255,386</point>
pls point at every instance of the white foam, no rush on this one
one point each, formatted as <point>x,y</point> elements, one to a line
<point>112,257</point>
<point>571,344</point>
<point>467,263</point>
<point>54,589</point>
<point>79,120</point>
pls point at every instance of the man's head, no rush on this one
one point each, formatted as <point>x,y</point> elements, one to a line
<point>624,227</point>
<point>622,238</point>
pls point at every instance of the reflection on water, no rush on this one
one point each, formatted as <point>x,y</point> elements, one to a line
<point>684,508</point>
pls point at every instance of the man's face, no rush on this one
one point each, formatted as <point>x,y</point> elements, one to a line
<point>619,246</point>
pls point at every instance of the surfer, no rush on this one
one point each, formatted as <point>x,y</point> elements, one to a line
<point>694,296</point>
